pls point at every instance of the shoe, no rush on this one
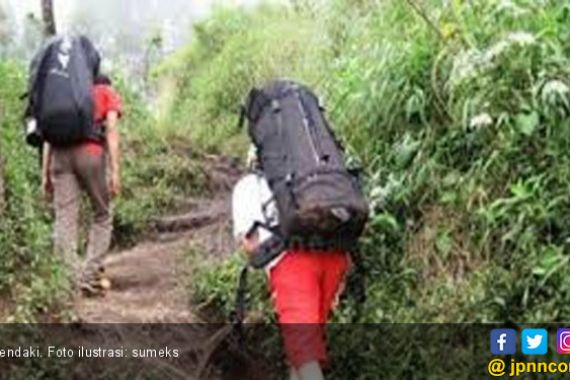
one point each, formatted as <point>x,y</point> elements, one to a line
<point>90,290</point>
<point>95,285</point>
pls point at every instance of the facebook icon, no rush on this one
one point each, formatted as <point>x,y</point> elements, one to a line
<point>503,342</point>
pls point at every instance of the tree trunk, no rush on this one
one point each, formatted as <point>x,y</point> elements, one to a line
<point>48,18</point>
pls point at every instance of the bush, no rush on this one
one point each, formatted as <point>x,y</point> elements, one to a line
<point>159,171</point>
<point>468,165</point>
<point>231,52</point>
<point>26,263</point>
<point>460,124</point>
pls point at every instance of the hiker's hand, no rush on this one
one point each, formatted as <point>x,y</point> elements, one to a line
<point>250,244</point>
<point>115,184</point>
<point>47,186</point>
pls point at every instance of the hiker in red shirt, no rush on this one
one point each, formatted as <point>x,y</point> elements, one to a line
<point>91,166</point>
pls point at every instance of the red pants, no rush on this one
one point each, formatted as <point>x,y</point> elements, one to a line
<point>304,287</point>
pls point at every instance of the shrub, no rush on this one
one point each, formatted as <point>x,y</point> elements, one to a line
<point>231,52</point>
<point>459,123</point>
<point>159,170</point>
<point>25,260</point>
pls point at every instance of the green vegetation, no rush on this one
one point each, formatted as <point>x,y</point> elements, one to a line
<point>232,51</point>
<point>460,122</point>
<point>459,115</point>
<point>158,171</point>
<point>29,273</point>
<point>457,111</point>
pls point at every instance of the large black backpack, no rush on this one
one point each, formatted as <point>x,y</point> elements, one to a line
<point>60,90</point>
<point>320,201</point>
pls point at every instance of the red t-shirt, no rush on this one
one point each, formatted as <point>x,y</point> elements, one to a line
<point>106,100</point>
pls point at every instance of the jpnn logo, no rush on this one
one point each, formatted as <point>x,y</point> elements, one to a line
<point>534,341</point>
<point>504,342</point>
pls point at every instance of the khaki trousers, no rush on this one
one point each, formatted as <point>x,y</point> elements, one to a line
<point>73,171</point>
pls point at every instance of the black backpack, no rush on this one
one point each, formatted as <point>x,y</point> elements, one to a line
<point>60,90</point>
<point>320,202</point>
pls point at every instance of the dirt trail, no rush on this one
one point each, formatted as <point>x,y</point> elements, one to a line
<point>149,285</point>
<point>146,286</point>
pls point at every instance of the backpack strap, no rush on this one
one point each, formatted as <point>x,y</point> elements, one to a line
<point>242,116</point>
<point>238,315</point>
<point>267,251</point>
<point>291,181</point>
<point>340,146</point>
<point>256,102</point>
<point>92,55</point>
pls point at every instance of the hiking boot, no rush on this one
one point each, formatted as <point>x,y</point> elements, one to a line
<point>96,284</point>
<point>95,288</point>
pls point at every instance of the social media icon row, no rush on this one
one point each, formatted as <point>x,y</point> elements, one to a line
<point>533,341</point>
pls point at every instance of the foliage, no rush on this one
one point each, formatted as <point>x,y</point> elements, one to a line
<point>158,172</point>
<point>28,271</point>
<point>458,113</point>
<point>232,51</point>
<point>461,126</point>
<point>469,160</point>
<point>214,287</point>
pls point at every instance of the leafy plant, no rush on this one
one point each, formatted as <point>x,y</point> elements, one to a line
<point>459,115</point>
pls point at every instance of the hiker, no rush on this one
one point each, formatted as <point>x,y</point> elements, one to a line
<point>77,112</point>
<point>297,215</point>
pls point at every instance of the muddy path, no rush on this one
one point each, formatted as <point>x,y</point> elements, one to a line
<point>147,280</point>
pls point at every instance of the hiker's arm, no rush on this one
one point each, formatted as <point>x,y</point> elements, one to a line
<point>47,184</point>
<point>113,142</point>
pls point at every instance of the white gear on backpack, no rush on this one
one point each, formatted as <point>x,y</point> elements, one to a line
<point>250,195</point>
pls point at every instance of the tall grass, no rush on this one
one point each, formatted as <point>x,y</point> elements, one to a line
<point>159,171</point>
<point>29,272</point>
<point>458,112</point>
<point>230,53</point>
<point>468,161</point>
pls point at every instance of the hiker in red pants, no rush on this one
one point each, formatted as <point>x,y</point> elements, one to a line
<point>298,215</point>
<point>304,284</point>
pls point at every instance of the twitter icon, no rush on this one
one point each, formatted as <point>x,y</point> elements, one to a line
<point>534,341</point>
